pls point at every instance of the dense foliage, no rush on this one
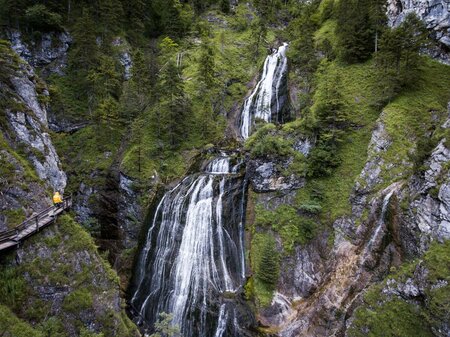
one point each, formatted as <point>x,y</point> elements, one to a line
<point>192,62</point>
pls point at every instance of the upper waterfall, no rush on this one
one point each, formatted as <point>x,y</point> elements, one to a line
<point>266,101</point>
<point>194,255</point>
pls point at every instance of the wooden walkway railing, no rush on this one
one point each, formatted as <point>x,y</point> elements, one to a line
<point>13,237</point>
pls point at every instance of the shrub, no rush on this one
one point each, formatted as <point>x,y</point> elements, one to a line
<point>41,18</point>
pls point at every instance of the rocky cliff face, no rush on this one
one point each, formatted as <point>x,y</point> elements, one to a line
<point>26,143</point>
<point>49,52</point>
<point>321,285</point>
<point>56,282</point>
<point>30,126</point>
<point>435,14</point>
<point>63,285</point>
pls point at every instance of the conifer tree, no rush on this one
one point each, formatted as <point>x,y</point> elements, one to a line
<point>302,50</point>
<point>11,12</point>
<point>358,26</point>
<point>206,64</point>
<point>268,266</point>
<point>84,52</point>
<point>174,106</point>
<point>331,120</point>
<point>105,79</point>
<point>258,36</point>
<point>399,56</point>
<point>135,14</point>
<point>225,6</point>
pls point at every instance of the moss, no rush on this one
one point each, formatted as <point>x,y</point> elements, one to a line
<point>395,318</point>
<point>14,217</point>
<point>293,228</point>
<point>325,35</point>
<point>11,325</point>
<point>68,260</point>
<point>77,301</point>
<point>9,169</point>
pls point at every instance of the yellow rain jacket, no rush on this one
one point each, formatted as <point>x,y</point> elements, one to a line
<point>57,199</point>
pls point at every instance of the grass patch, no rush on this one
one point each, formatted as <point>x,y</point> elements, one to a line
<point>79,300</point>
<point>415,114</point>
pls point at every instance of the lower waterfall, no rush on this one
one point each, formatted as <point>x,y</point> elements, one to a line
<point>192,263</point>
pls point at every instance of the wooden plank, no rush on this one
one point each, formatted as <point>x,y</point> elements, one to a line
<point>29,226</point>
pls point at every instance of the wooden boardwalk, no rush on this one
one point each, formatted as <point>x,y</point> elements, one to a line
<point>13,237</point>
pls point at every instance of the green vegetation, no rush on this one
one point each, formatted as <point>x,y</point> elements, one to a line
<point>11,325</point>
<point>286,220</point>
<point>68,261</point>
<point>265,261</point>
<point>78,301</point>
<point>164,328</point>
<point>394,316</point>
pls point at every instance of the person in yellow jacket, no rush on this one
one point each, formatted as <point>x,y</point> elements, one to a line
<point>57,199</point>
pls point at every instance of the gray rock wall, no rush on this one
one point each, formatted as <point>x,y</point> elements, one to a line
<point>435,14</point>
<point>30,127</point>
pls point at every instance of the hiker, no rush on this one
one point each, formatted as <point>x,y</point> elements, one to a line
<point>57,199</point>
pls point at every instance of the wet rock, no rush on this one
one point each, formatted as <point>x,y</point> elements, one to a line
<point>266,176</point>
<point>279,310</point>
<point>19,197</point>
<point>130,212</point>
<point>82,205</point>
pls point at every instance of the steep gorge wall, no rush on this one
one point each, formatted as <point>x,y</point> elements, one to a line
<point>394,218</point>
<point>26,141</point>
<point>56,282</point>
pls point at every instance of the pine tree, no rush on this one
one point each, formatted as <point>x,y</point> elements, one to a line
<point>225,6</point>
<point>267,8</point>
<point>331,121</point>
<point>399,56</point>
<point>173,106</point>
<point>135,14</point>
<point>84,52</point>
<point>268,266</point>
<point>302,50</point>
<point>110,14</point>
<point>105,78</point>
<point>358,26</point>
<point>207,65</point>
<point>11,12</point>
<point>258,30</point>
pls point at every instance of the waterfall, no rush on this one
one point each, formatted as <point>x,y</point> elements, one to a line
<point>265,101</point>
<point>381,222</point>
<point>193,256</point>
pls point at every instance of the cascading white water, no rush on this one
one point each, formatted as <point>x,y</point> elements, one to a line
<point>381,220</point>
<point>264,103</point>
<point>194,253</point>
